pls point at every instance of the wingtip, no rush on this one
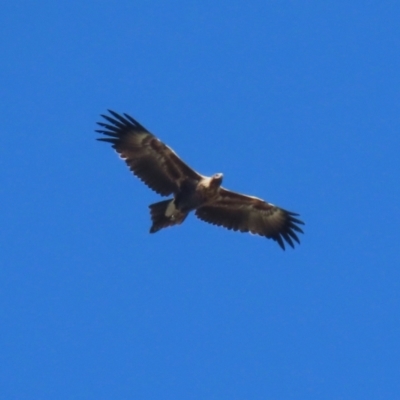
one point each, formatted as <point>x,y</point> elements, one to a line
<point>279,240</point>
<point>107,140</point>
<point>154,229</point>
<point>114,113</point>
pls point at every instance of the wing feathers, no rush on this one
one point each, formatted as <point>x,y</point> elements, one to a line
<point>147,157</point>
<point>250,214</point>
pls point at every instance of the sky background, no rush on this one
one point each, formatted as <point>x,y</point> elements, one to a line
<point>296,102</point>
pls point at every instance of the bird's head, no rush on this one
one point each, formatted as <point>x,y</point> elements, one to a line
<point>216,180</point>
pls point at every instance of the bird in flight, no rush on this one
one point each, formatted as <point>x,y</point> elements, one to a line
<point>160,168</point>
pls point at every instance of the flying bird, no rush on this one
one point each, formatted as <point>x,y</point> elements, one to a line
<point>160,168</point>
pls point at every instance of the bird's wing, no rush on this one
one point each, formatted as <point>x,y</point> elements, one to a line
<point>153,162</point>
<point>251,214</point>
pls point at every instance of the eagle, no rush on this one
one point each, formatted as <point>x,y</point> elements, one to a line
<point>160,168</point>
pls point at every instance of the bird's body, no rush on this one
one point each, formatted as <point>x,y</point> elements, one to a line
<point>159,167</point>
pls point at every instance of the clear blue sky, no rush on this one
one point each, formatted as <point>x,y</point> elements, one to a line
<point>295,102</point>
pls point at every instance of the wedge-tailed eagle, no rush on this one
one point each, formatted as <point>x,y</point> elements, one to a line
<point>160,168</point>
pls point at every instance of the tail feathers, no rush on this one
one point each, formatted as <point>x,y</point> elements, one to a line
<point>160,220</point>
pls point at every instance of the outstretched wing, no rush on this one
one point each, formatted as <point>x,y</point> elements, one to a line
<point>250,214</point>
<point>157,165</point>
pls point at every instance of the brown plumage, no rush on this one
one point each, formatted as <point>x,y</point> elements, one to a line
<point>159,167</point>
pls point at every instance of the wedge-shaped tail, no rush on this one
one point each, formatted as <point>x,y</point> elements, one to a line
<point>159,216</point>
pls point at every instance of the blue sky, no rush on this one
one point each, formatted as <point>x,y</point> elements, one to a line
<point>295,102</point>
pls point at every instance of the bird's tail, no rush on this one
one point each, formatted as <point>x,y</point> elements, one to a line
<point>161,218</point>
